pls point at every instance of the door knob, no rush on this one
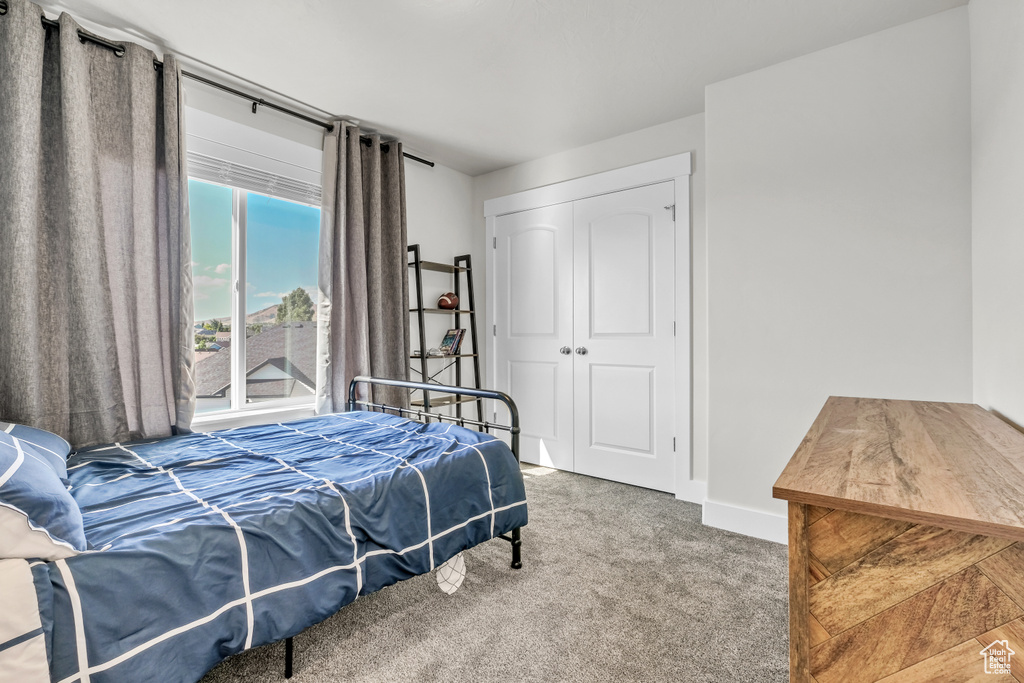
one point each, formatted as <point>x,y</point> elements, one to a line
<point>581,350</point>
<point>565,350</point>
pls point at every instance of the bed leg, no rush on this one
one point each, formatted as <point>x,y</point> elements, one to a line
<point>517,556</point>
<point>287,657</point>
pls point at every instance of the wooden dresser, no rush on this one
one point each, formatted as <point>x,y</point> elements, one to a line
<point>906,544</point>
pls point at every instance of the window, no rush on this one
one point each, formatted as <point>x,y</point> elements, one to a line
<point>255,344</point>
<point>254,198</point>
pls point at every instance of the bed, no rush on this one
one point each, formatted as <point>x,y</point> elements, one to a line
<point>204,545</point>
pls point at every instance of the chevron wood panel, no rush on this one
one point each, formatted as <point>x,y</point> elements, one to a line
<point>960,664</point>
<point>897,570</point>
<point>842,537</point>
<point>816,632</point>
<point>1006,569</point>
<point>901,602</point>
<point>816,571</point>
<point>914,630</point>
<point>814,513</point>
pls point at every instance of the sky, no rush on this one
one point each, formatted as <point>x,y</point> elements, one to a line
<point>282,239</point>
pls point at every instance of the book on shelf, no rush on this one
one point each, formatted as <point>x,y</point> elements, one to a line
<point>452,342</point>
<point>458,342</point>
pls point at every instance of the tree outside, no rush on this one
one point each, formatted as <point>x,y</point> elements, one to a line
<point>296,306</point>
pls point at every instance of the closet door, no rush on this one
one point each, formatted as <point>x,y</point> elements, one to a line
<point>623,343</point>
<point>533,336</point>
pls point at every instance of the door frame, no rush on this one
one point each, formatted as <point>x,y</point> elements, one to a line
<point>678,169</point>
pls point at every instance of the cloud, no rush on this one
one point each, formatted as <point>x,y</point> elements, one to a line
<point>280,295</point>
<point>207,281</point>
<point>222,268</point>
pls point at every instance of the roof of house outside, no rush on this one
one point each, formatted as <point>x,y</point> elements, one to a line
<point>290,347</point>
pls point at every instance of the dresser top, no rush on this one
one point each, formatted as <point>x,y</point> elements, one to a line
<point>953,465</point>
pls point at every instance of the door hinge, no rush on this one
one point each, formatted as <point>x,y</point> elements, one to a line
<point>673,444</point>
<point>673,328</point>
<point>494,244</point>
<point>494,332</point>
<point>673,208</point>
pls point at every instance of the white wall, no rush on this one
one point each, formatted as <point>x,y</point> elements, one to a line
<point>674,137</point>
<point>439,204</point>
<point>838,208</point>
<point>997,164</point>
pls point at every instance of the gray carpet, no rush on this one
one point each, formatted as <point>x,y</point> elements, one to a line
<point>619,584</point>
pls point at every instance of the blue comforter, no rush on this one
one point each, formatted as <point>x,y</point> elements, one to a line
<point>207,544</point>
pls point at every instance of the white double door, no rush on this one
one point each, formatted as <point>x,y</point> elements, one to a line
<point>584,302</point>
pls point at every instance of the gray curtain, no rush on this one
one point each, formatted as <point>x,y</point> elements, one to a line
<point>363,303</point>
<point>95,265</point>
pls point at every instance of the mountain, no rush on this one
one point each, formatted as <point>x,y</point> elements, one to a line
<point>264,315</point>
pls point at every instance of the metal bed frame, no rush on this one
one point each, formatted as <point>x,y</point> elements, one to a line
<point>515,536</point>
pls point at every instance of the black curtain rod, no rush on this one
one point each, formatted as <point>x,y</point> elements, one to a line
<point>256,101</point>
<point>259,101</point>
<point>118,50</point>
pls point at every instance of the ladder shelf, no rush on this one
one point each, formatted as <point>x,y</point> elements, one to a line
<point>461,269</point>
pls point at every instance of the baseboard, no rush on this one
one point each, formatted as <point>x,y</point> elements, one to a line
<point>692,491</point>
<point>745,521</point>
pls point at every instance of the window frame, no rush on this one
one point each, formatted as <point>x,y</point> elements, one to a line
<point>241,411</point>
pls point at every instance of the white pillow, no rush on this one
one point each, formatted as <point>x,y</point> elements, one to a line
<point>19,540</point>
<point>48,445</point>
<point>40,519</point>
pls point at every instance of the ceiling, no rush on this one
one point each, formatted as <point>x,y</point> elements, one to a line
<point>478,85</point>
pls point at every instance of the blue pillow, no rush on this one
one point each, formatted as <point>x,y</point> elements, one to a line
<point>39,517</point>
<point>48,445</point>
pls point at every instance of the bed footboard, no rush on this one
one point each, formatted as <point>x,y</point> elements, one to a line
<point>513,428</point>
<point>515,537</point>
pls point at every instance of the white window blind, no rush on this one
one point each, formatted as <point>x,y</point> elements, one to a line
<point>211,169</point>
